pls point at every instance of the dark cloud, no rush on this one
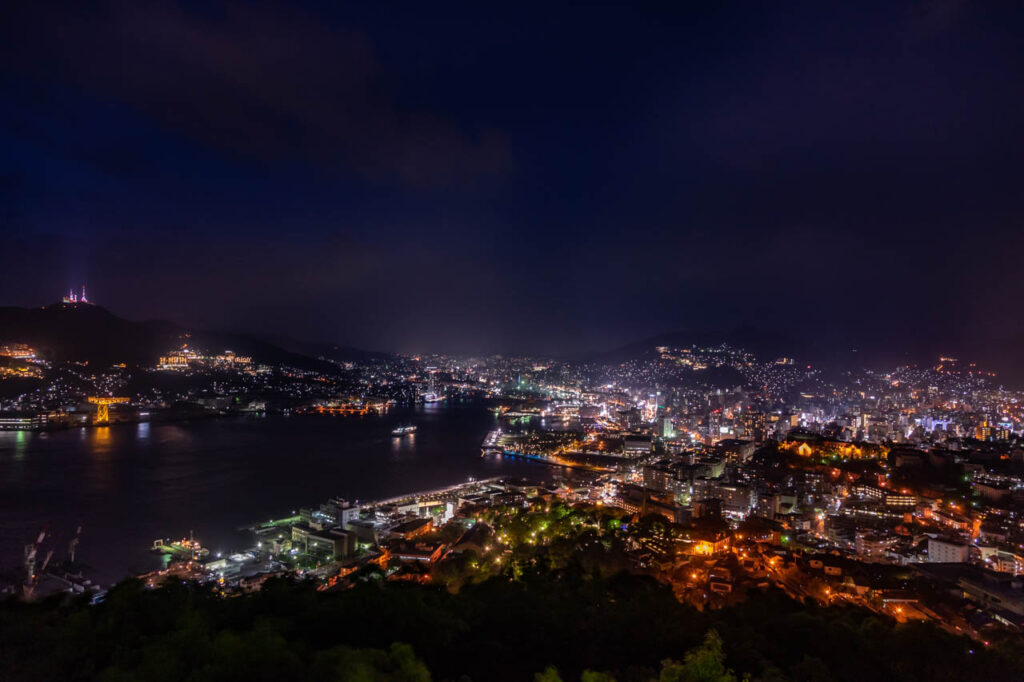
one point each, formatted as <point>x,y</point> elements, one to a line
<point>814,169</point>
<point>935,16</point>
<point>268,85</point>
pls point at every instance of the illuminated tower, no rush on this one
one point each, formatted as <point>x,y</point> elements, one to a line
<point>72,297</point>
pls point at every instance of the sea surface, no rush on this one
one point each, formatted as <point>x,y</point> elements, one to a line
<point>127,485</point>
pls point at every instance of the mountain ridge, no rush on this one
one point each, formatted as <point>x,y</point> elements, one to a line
<point>86,332</point>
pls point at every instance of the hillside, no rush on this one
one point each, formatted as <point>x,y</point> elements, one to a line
<point>82,332</point>
<point>763,344</point>
<point>828,350</point>
<point>624,626</point>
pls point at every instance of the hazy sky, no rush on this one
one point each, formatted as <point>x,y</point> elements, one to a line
<point>554,177</point>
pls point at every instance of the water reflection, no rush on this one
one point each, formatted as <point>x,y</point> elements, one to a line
<point>101,437</point>
<point>16,442</point>
<point>406,443</point>
<point>175,434</point>
<point>20,445</point>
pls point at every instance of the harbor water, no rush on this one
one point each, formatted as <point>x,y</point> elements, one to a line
<point>127,485</point>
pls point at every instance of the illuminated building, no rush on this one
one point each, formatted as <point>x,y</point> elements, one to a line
<point>704,544</point>
<point>21,422</point>
<point>891,498</point>
<point>630,418</point>
<point>952,519</point>
<point>332,543</point>
<point>636,445</point>
<point>992,491</point>
<point>754,425</point>
<point>185,357</point>
<point>18,351</point>
<point>988,432</point>
<point>806,446</point>
<point>736,499</point>
<point>650,409</point>
<point>412,529</point>
<point>174,361</point>
<point>665,428</point>
<point>720,580</point>
<point>428,552</point>
<point>23,371</point>
<point>942,551</point>
<point>872,545</point>
<point>228,358</point>
<point>1002,560</point>
<point>431,395</point>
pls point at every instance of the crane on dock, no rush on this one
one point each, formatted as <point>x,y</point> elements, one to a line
<point>103,404</point>
<point>31,574</point>
<point>72,545</point>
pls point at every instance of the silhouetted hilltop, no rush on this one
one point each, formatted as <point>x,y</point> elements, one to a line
<point>84,332</point>
<point>835,353</point>
<point>762,344</point>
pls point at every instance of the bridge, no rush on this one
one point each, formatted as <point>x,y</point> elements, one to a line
<point>103,404</point>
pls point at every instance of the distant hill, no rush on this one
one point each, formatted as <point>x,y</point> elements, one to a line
<point>764,345</point>
<point>83,332</point>
<point>329,351</point>
<point>835,353</point>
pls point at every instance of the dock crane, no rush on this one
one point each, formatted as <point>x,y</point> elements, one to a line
<point>72,545</point>
<point>31,575</point>
<point>103,404</point>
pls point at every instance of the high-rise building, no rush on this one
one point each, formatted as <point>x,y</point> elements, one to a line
<point>650,409</point>
<point>754,425</point>
<point>665,428</point>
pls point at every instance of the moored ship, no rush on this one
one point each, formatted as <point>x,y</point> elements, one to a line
<point>183,548</point>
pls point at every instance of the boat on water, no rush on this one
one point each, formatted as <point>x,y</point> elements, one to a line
<point>189,548</point>
<point>402,431</point>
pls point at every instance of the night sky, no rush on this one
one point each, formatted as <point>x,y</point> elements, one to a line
<point>549,177</point>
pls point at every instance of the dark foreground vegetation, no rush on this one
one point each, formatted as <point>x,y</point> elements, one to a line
<point>542,627</point>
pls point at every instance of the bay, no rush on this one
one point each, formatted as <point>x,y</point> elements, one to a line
<point>129,484</point>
